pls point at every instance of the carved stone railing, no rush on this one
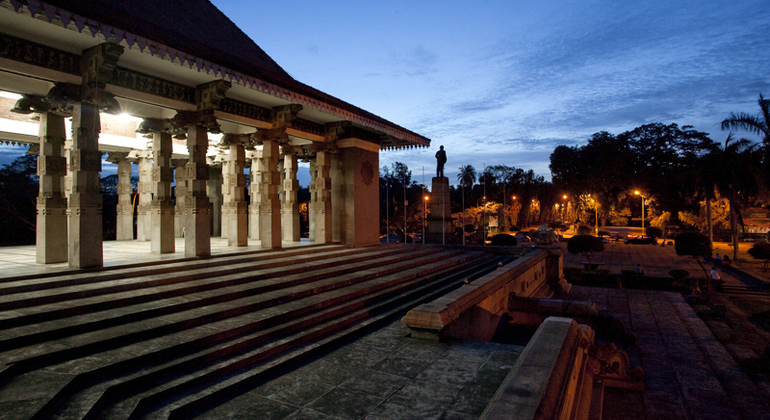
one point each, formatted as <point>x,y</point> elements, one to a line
<point>561,374</point>
<point>474,310</point>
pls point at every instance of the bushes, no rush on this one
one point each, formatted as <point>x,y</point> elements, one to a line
<point>761,251</point>
<point>654,232</point>
<point>585,230</point>
<point>604,233</point>
<point>504,239</point>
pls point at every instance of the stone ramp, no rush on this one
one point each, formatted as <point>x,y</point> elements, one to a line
<point>688,373</point>
<point>111,345</point>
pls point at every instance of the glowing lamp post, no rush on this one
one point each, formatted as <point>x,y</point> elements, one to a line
<point>424,217</point>
<point>640,195</point>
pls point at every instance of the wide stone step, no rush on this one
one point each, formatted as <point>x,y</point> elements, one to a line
<point>168,319</point>
<point>233,378</point>
<point>131,306</point>
<point>100,285</point>
<point>72,276</point>
<point>301,308</point>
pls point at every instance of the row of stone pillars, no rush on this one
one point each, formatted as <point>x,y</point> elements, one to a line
<point>274,214</point>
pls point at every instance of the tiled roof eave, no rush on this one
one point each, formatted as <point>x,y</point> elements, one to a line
<point>132,41</point>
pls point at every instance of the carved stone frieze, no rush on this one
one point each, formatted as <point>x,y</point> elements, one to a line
<point>35,54</point>
<point>243,109</point>
<point>141,82</point>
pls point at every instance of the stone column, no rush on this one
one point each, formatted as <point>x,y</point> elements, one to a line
<point>322,205</point>
<point>144,205</point>
<point>124,230</point>
<point>85,202</point>
<point>162,207</point>
<point>355,193</point>
<point>313,199</point>
<point>290,207</point>
<point>180,195</point>
<point>51,241</point>
<point>236,208</point>
<point>255,192</point>
<point>197,240</point>
<point>214,192</point>
<point>270,205</point>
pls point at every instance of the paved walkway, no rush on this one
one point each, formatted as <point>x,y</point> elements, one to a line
<point>688,373</point>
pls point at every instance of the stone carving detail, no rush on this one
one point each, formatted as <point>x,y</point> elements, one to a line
<point>210,95</point>
<point>98,65</point>
<point>35,54</point>
<point>611,365</point>
<point>243,109</point>
<point>336,130</point>
<point>284,116</point>
<point>204,118</point>
<point>140,82</point>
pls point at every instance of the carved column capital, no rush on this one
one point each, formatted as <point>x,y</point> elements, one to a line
<point>210,95</point>
<point>336,130</point>
<point>97,65</point>
<point>204,118</point>
<point>284,116</point>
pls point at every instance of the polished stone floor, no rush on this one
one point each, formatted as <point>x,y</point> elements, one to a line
<point>20,260</point>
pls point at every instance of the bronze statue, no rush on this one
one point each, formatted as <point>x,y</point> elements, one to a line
<point>441,160</point>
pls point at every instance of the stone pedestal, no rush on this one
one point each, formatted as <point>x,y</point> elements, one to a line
<point>237,218</point>
<point>85,201</point>
<point>270,204</point>
<point>144,206</point>
<point>162,207</point>
<point>125,222</point>
<point>214,187</point>
<point>440,220</point>
<point>290,206</point>
<point>197,237</point>
<point>255,192</point>
<point>321,220</point>
<point>180,195</point>
<point>51,241</point>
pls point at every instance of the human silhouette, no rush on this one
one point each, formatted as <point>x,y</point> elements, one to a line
<point>441,160</point>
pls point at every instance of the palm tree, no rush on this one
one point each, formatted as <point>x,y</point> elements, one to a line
<point>466,177</point>
<point>757,124</point>
<point>732,174</point>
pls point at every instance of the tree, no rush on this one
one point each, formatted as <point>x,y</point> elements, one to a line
<point>757,124</point>
<point>586,245</point>
<point>761,251</point>
<point>735,177</point>
<point>696,245</point>
<point>18,201</point>
<point>466,178</point>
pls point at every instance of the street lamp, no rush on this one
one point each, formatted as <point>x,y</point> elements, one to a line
<point>424,217</point>
<point>640,195</point>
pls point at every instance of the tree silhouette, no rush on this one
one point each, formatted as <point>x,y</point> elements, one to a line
<point>466,178</point>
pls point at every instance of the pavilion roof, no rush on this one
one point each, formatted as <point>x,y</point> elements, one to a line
<point>197,28</point>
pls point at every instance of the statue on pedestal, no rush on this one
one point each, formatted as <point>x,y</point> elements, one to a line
<point>440,160</point>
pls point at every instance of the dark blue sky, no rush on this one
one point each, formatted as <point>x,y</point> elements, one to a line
<point>505,82</point>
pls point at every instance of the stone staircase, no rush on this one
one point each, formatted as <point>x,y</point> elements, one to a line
<point>173,340</point>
